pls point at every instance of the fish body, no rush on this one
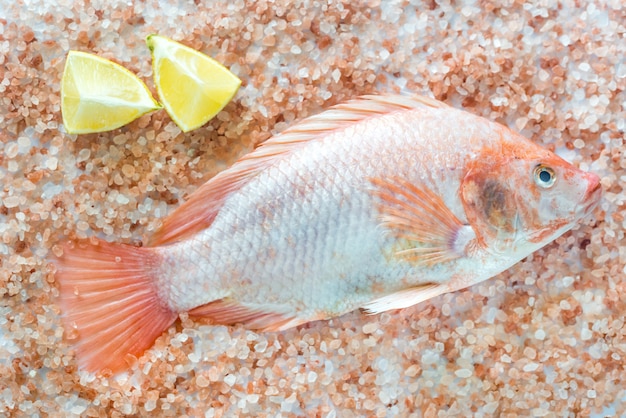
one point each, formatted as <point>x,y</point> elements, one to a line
<point>379,203</point>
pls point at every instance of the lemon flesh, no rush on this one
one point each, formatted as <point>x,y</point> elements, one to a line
<point>99,95</point>
<point>192,86</point>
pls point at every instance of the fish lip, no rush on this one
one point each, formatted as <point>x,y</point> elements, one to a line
<point>593,189</point>
<point>591,199</point>
<point>592,195</point>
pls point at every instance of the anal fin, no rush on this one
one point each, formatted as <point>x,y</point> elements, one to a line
<point>262,318</point>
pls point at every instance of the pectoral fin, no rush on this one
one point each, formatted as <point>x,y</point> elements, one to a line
<point>427,230</point>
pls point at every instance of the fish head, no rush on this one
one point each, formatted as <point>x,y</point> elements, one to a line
<point>518,197</point>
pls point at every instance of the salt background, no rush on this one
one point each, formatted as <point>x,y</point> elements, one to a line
<point>545,338</point>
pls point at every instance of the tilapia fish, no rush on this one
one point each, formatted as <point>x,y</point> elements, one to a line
<point>378,203</point>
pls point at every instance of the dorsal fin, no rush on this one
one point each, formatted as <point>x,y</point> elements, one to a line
<point>199,211</point>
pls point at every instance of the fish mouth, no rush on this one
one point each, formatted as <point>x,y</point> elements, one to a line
<point>592,194</point>
<point>592,198</point>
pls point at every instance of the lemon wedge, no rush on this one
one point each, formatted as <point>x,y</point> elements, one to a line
<point>192,86</point>
<point>99,95</point>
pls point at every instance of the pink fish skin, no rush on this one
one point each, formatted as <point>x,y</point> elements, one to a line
<point>379,203</point>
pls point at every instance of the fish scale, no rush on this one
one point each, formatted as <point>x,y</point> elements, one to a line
<point>379,203</point>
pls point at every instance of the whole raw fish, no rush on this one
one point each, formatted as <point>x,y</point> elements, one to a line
<point>379,203</point>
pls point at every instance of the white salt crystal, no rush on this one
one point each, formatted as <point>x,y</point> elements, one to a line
<point>78,409</point>
<point>260,346</point>
<point>585,334</point>
<point>620,71</point>
<point>52,163</point>
<point>531,367</point>
<point>11,150</point>
<point>121,199</point>
<point>430,357</point>
<point>384,397</point>
<point>369,327</point>
<point>491,407</point>
<point>11,201</point>
<point>463,373</point>
<point>230,379</point>
<point>150,405</point>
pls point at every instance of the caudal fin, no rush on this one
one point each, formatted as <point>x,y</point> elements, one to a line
<point>109,301</point>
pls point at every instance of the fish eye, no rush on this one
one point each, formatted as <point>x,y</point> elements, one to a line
<point>544,176</point>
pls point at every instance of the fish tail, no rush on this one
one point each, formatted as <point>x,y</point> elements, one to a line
<point>110,302</point>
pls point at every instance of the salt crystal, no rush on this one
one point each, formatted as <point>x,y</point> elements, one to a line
<point>10,201</point>
<point>261,346</point>
<point>520,123</point>
<point>620,71</point>
<point>203,382</point>
<point>11,150</point>
<point>23,142</point>
<point>491,407</point>
<point>463,373</point>
<point>430,357</point>
<point>384,397</point>
<point>369,328</point>
<point>230,379</point>
<point>52,163</point>
<point>585,334</point>
<point>530,352</point>
<point>121,199</point>
<point>150,405</point>
<point>530,367</point>
<point>412,371</point>
<point>445,309</point>
<point>78,409</point>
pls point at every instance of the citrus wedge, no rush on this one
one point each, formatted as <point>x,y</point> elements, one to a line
<point>98,95</point>
<point>192,86</point>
